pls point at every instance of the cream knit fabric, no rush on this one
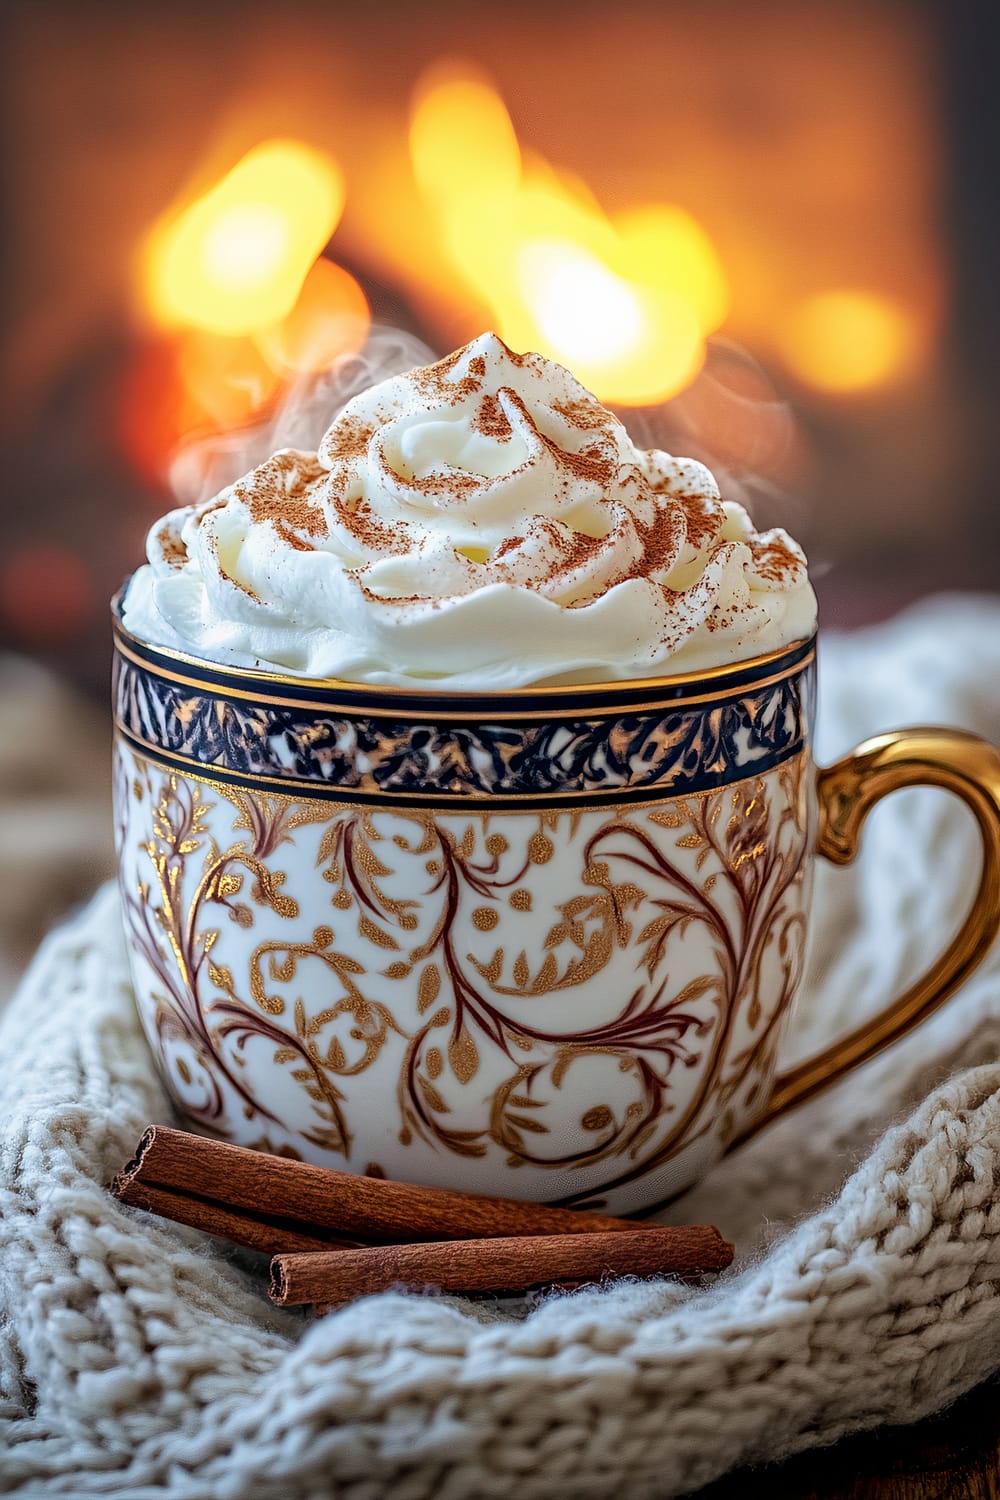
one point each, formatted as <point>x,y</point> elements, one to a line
<point>138,1359</point>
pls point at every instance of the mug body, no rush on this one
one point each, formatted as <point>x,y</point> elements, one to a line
<point>542,944</point>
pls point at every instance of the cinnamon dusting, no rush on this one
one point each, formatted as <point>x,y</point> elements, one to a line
<point>433,380</point>
<point>704,518</point>
<point>427,600</point>
<point>594,462</point>
<point>278,491</point>
<point>290,537</point>
<point>455,482</point>
<point>588,416</point>
<point>773,560</point>
<point>491,420</point>
<point>507,545</point>
<point>347,439</point>
<point>661,542</point>
<point>172,548</point>
<point>370,531</point>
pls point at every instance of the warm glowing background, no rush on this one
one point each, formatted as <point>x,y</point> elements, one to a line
<point>747,226</point>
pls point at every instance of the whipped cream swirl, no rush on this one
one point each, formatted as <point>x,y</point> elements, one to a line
<point>482,523</point>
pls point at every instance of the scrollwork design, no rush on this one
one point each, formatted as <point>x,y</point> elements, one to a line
<point>725,861</point>
<point>183,1016</point>
<point>756,857</point>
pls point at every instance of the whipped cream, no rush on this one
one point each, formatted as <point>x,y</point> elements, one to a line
<point>482,523</point>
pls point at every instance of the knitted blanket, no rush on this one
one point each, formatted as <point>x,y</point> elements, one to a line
<point>139,1359</point>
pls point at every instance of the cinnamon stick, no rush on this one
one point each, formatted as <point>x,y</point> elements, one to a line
<point>511,1264</point>
<point>312,1199</point>
<point>268,1233</point>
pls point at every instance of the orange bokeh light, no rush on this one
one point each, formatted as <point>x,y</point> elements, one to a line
<point>629,344</point>
<point>847,340</point>
<point>662,246</point>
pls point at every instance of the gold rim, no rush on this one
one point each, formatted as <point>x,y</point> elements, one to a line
<point>513,715</point>
<point>654,685</point>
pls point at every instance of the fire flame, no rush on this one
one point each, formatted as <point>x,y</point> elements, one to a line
<point>237,281</point>
<point>625,301</point>
<point>234,260</point>
<point>234,280</point>
<point>330,318</point>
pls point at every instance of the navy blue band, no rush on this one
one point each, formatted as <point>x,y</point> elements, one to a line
<point>619,745</point>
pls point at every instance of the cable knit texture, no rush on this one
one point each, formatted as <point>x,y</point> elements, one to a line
<point>137,1358</point>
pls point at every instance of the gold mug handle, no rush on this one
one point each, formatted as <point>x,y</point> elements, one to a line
<point>961,763</point>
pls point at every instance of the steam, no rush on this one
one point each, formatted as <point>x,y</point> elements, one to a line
<point>204,467</point>
<point>733,418</point>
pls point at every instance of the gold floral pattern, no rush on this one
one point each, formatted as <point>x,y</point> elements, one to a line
<point>573,993</point>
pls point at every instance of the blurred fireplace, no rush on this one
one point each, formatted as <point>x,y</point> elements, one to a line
<point>814,143</point>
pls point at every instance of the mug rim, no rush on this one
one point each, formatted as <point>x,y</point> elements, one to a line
<point>746,668</point>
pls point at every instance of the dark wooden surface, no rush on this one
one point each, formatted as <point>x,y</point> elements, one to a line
<point>953,1456</point>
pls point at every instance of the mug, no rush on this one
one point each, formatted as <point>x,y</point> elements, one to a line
<point>542,943</point>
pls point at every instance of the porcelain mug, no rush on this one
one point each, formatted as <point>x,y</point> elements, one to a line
<point>541,943</point>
